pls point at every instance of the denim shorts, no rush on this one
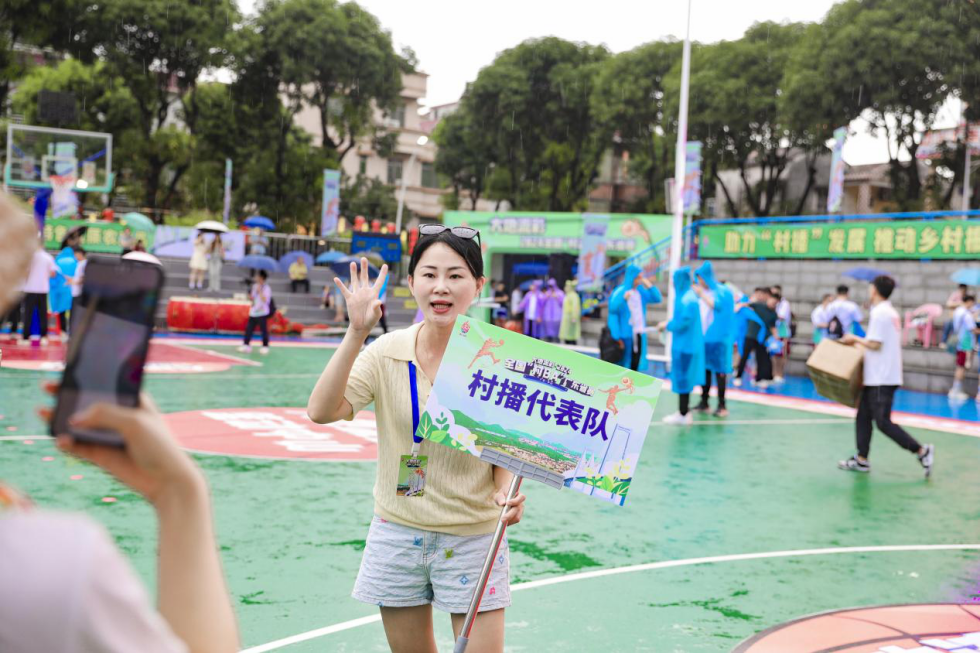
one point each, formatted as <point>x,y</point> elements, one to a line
<point>403,566</point>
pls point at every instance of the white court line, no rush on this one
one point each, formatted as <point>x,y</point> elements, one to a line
<point>721,422</point>
<point>580,576</point>
<point>26,438</point>
<point>182,346</point>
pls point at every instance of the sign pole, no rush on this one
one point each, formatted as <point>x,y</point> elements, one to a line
<point>680,165</point>
<point>498,535</point>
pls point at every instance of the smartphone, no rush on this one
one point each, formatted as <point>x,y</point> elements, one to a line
<point>111,324</point>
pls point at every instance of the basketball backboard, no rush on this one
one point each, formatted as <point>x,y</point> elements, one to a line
<point>42,157</point>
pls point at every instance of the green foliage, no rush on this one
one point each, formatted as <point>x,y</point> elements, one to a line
<point>372,198</point>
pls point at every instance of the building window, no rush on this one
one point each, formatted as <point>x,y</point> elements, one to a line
<point>394,171</point>
<point>429,179</point>
<point>362,167</point>
<point>396,118</point>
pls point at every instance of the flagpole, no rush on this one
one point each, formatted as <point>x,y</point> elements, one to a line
<point>680,160</point>
<point>498,535</point>
<point>967,189</point>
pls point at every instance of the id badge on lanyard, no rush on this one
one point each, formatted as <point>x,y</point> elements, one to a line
<point>412,467</point>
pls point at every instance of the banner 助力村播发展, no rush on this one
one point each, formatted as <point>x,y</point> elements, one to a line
<point>903,239</point>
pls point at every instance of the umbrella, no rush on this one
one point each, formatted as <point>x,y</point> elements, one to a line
<point>74,231</point>
<point>342,266</point>
<point>286,260</point>
<point>145,257</point>
<point>330,256</point>
<point>866,274</point>
<point>261,222</point>
<point>373,257</point>
<point>211,226</point>
<point>968,276</point>
<point>259,262</point>
<point>137,220</point>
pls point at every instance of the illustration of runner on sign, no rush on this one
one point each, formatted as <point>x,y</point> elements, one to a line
<point>616,390</point>
<point>488,345</point>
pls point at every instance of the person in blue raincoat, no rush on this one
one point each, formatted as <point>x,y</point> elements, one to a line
<point>627,316</point>
<point>60,295</point>
<point>718,323</point>
<point>686,347</point>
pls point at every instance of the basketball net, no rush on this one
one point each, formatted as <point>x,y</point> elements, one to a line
<point>64,201</point>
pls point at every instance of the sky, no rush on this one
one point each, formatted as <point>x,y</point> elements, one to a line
<point>454,39</point>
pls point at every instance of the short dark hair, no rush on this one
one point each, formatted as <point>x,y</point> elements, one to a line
<point>263,274</point>
<point>777,296</point>
<point>969,298</point>
<point>761,289</point>
<point>467,248</point>
<point>843,290</point>
<point>884,285</point>
<point>780,291</point>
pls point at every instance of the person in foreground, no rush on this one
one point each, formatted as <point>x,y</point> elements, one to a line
<point>882,377</point>
<point>76,591</point>
<point>427,549</point>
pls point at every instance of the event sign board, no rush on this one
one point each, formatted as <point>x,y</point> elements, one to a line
<point>900,239</point>
<point>939,142</point>
<point>99,237</point>
<point>592,256</point>
<point>226,210</point>
<point>540,410</point>
<point>330,212</point>
<point>179,242</point>
<point>835,192</point>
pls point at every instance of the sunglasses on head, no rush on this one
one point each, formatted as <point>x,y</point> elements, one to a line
<point>462,232</point>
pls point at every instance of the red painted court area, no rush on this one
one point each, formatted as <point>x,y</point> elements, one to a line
<point>163,358</point>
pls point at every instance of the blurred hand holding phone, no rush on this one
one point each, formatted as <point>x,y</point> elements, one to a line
<point>111,326</point>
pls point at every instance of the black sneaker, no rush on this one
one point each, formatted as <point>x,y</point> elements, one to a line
<point>854,465</point>
<point>702,407</point>
<point>926,458</point>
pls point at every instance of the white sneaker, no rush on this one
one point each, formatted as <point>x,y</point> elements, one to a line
<point>737,382</point>
<point>264,350</point>
<point>247,349</point>
<point>762,385</point>
<point>958,394</point>
<point>678,419</point>
<point>778,380</point>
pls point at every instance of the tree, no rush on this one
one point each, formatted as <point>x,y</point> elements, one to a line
<point>336,58</point>
<point>464,156</point>
<point>371,198</point>
<point>888,61</point>
<point>533,105</point>
<point>158,50</point>
<point>630,98</point>
<point>735,110</point>
<point>32,22</point>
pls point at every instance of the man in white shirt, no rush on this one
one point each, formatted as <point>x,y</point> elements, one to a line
<point>36,291</point>
<point>819,318</point>
<point>882,377</point>
<point>841,314</point>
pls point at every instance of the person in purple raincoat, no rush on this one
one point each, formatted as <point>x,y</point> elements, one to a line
<point>554,298</point>
<point>532,306</point>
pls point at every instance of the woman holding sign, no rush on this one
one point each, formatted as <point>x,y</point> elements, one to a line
<point>435,508</point>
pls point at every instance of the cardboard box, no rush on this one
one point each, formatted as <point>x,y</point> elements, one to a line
<point>837,371</point>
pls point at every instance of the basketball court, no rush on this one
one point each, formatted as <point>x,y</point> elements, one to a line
<point>733,527</point>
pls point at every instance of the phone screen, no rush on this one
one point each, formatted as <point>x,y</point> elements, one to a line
<point>110,333</point>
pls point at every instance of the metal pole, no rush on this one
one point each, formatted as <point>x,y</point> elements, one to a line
<point>498,535</point>
<point>401,194</point>
<point>680,162</point>
<point>966,168</point>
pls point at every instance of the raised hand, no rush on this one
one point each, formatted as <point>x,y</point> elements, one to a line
<point>363,305</point>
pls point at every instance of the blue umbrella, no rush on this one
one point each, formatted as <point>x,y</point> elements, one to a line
<point>330,256</point>
<point>286,260</point>
<point>261,222</point>
<point>342,266</point>
<point>968,276</point>
<point>866,274</point>
<point>259,262</point>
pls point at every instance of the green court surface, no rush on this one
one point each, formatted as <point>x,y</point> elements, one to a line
<point>763,483</point>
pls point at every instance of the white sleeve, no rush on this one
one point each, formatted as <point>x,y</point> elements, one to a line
<point>118,615</point>
<point>877,328</point>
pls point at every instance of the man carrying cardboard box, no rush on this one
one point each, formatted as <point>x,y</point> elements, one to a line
<point>882,377</point>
